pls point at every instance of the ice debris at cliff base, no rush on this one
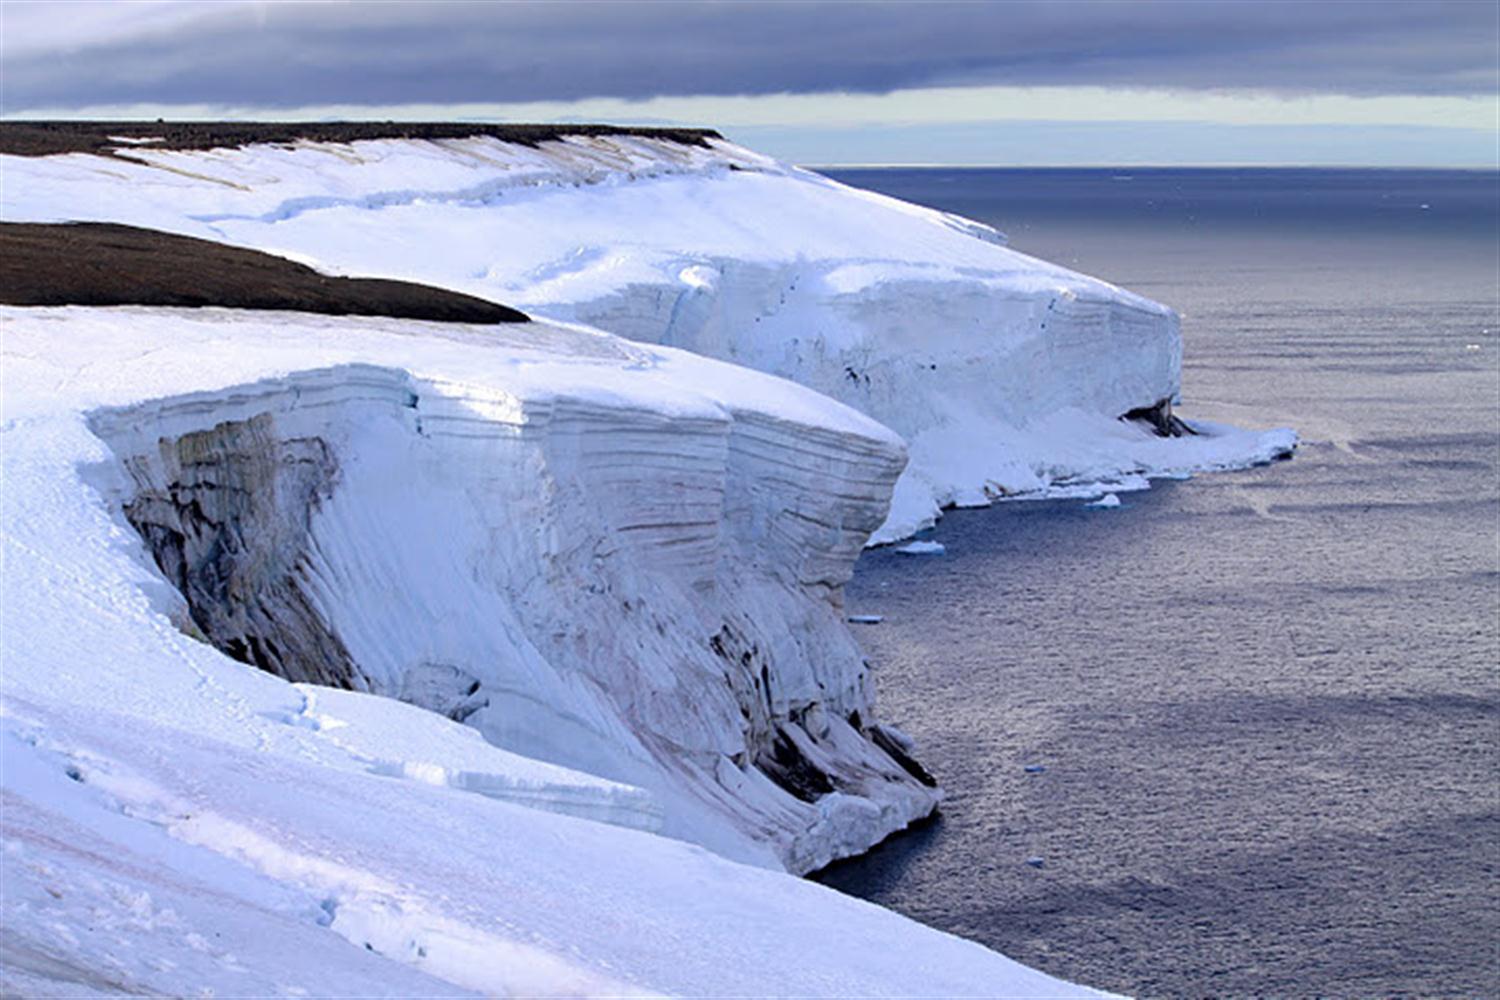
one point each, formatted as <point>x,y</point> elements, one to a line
<point>1071,453</point>
<point>1005,374</point>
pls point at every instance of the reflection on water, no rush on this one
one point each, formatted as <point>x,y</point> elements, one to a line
<point>1249,724</point>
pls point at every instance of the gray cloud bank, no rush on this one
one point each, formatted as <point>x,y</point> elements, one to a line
<point>285,56</point>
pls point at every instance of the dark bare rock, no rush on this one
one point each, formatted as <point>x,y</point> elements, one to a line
<point>47,138</point>
<point>103,264</point>
<point>1159,419</point>
<point>229,526</point>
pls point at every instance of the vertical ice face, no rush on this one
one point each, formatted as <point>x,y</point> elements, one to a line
<point>644,587</point>
<point>1002,382</point>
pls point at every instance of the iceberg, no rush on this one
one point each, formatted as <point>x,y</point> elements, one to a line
<point>1006,375</point>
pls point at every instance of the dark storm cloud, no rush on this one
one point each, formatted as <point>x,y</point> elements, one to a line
<point>285,56</point>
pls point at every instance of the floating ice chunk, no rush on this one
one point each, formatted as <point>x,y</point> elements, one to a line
<point>1108,500</point>
<point>922,549</point>
<point>897,737</point>
<point>971,498</point>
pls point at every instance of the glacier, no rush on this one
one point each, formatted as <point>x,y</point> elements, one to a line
<point>620,564</point>
<point>390,657</point>
<point>1005,375</point>
<point>623,560</point>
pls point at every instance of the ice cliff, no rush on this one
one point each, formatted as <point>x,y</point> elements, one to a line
<point>1006,375</point>
<point>624,560</point>
<point>620,564</point>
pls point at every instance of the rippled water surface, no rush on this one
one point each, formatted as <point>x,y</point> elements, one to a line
<point>1267,704</point>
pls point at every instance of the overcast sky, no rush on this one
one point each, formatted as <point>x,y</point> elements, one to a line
<point>1086,81</point>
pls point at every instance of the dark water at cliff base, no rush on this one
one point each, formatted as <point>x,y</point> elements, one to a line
<point>1267,703</point>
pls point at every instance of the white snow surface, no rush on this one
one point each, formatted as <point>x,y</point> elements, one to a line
<point>1005,374</point>
<point>178,822</point>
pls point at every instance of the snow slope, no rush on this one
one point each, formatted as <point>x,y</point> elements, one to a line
<point>140,858</point>
<point>1005,374</point>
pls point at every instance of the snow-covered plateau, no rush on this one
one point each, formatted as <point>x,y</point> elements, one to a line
<point>1005,375</point>
<point>621,564</point>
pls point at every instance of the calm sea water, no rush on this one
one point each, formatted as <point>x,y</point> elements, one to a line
<point>1267,703</point>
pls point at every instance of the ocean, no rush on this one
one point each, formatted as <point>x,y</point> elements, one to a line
<point>1241,735</point>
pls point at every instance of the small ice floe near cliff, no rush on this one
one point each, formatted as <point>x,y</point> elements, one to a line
<point>623,561</point>
<point>1005,374</point>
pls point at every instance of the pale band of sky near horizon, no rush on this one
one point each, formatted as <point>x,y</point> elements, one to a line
<point>1312,91</point>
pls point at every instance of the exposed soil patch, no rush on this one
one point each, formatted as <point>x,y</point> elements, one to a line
<point>103,264</point>
<point>46,138</point>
